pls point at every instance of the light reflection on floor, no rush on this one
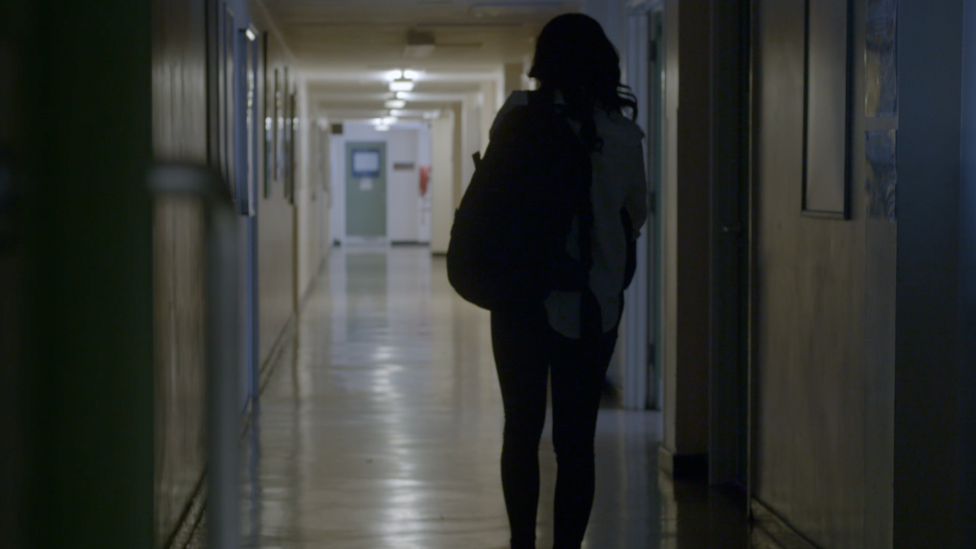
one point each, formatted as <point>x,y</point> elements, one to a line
<point>381,428</point>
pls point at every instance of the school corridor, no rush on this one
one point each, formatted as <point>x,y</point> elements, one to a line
<point>225,320</point>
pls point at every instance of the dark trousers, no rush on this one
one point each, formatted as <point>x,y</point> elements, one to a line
<point>527,352</point>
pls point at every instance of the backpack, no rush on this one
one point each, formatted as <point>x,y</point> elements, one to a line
<point>509,234</point>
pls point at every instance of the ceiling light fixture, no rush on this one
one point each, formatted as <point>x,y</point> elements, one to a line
<point>401,84</point>
<point>251,35</point>
<point>395,103</point>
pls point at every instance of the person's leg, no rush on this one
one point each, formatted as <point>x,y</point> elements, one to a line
<point>578,370</point>
<point>522,363</point>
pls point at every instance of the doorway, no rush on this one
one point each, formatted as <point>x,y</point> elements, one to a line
<point>365,191</point>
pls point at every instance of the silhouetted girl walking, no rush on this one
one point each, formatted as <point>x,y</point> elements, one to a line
<point>563,327</point>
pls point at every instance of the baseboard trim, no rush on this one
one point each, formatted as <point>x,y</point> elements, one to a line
<point>683,466</point>
<point>771,531</point>
<point>277,350</point>
<point>409,243</point>
<point>191,518</point>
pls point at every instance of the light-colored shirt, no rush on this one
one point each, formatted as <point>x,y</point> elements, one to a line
<point>619,182</point>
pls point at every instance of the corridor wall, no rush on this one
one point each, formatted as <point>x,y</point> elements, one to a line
<point>311,216</point>
<point>685,235</point>
<point>188,127</point>
<point>823,315</point>
<point>442,186</point>
<point>403,185</point>
<point>278,290</point>
<point>180,130</point>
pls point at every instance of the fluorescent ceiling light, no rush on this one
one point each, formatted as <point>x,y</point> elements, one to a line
<point>395,104</point>
<point>382,128</point>
<point>251,35</point>
<point>396,112</point>
<point>409,74</point>
<point>401,84</point>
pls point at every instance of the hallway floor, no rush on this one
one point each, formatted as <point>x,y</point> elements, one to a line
<point>380,428</point>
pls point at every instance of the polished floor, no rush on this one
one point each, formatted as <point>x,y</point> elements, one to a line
<point>380,428</point>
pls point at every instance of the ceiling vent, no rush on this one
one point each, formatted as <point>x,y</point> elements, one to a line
<point>420,44</point>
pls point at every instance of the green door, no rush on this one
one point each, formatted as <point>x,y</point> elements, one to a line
<point>366,190</point>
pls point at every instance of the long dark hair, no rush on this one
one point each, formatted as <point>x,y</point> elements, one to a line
<point>574,56</point>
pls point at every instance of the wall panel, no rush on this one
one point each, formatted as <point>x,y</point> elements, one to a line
<point>179,80</point>
<point>824,308</point>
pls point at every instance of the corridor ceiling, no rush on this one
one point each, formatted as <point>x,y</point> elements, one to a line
<point>345,48</point>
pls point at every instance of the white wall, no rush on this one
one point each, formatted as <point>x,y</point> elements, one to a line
<point>490,93</point>
<point>402,186</point>
<point>442,183</point>
<point>309,250</point>
<point>470,136</point>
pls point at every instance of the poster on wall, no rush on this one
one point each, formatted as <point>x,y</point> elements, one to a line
<point>882,175</point>
<point>827,140</point>
<point>881,108</point>
<point>271,139</point>
<point>280,115</point>
<point>880,59</point>
<point>267,96</point>
<point>292,124</point>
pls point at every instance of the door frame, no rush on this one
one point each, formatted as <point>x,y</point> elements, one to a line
<point>641,365</point>
<point>731,253</point>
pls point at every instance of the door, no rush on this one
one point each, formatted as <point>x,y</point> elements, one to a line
<point>365,190</point>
